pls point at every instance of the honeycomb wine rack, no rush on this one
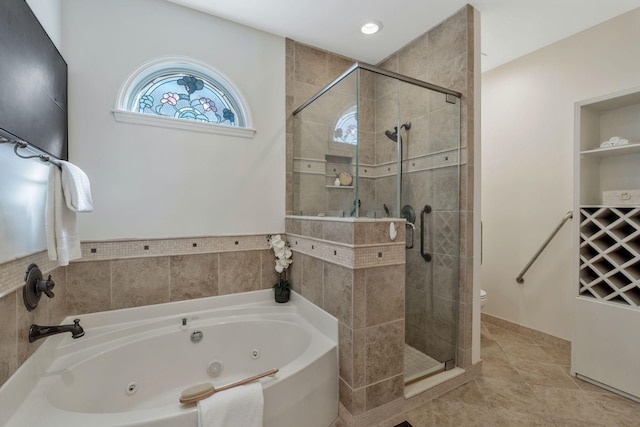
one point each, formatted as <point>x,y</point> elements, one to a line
<point>610,254</point>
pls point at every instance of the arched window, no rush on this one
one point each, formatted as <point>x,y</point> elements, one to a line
<point>164,90</point>
<point>346,129</point>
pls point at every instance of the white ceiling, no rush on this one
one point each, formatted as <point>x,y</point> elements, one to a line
<point>509,28</point>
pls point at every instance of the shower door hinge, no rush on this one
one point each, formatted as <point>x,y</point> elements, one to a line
<point>449,364</point>
<point>450,98</point>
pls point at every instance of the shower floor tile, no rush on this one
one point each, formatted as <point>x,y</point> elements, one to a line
<point>418,365</point>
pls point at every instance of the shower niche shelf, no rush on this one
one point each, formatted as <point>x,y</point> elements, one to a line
<point>340,187</point>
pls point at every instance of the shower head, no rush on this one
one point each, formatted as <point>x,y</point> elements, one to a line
<point>393,135</point>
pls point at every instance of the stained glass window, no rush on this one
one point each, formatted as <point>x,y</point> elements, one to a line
<point>346,129</point>
<point>187,95</point>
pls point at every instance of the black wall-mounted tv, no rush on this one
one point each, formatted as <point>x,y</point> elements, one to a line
<point>33,81</point>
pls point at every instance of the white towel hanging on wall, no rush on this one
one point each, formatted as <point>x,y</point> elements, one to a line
<point>63,239</point>
<point>68,192</point>
<point>76,188</point>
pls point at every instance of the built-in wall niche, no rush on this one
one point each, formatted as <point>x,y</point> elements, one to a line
<point>336,165</point>
<point>340,198</point>
<point>608,168</point>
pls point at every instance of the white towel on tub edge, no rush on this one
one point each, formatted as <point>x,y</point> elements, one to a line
<point>240,406</point>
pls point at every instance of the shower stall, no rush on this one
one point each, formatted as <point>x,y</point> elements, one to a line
<point>377,144</point>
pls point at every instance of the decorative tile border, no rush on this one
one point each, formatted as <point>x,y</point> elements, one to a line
<point>119,249</point>
<point>441,159</point>
<point>12,272</point>
<point>309,166</point>
<point>346,255</point>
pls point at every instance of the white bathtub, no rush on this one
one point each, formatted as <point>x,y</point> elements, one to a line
<point>132,365</point>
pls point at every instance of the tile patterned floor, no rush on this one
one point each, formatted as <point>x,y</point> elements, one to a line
<point>416,363</point>
<point>524,383</point>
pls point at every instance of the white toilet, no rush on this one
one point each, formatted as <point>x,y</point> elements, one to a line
<point>483,299</point>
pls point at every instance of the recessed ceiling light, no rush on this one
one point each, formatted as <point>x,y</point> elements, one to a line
<point>371,27</point>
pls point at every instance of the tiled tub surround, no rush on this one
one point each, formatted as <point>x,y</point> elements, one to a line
<point>121,274</point>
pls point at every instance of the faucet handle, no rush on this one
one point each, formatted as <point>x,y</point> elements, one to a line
<point>46,286</point>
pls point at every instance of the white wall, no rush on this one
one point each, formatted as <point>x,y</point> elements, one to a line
<point>527,166</point>
<point>151,182</point>
<point>49,13</point>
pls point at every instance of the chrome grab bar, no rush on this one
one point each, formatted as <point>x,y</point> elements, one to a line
<point>409,225</point>
<point>425,210</point>
<point>520,278</point>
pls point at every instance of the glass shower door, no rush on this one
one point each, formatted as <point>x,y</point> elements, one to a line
<point>430,191</point>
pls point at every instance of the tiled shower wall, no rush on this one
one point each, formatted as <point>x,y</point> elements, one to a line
<point>443,56</point>
<point>122,274</point>
<point>353,270</point>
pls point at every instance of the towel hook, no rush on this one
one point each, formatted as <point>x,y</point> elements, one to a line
<point>21,144</point>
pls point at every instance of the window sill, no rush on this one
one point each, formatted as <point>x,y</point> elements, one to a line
<point>182,124</point>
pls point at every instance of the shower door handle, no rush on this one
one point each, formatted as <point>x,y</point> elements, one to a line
<point>425,210</point>
<point>408,226</point>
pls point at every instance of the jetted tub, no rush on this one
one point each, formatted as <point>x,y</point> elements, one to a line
<point>132,365</point>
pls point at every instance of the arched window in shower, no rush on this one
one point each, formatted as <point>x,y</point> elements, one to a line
<point>346,129</point>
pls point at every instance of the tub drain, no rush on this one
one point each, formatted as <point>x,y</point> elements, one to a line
<point>255,354</point>
<point>131,388</point>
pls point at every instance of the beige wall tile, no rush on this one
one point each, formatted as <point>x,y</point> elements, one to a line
<point>295,271</point>
<point>39,316</point>
<point>359,357</point>
<point>311,65</point>
<point>239,272</point>
<point>8,336</point>
<point>385,294</point>
<point>352,400</point>
<point>88,287</point>
<point>414,59</point>
<point>415,337</point>
<point>338,292</point>
<point>385,351</point>
<point>345,354</point>
<point>312,280</point>
<point>338,231</point>
<point>345,395</point>
<point>312,228</point>
<point>58,305</point>
<point>269,274</point>
<point>293,226</point>
<point>384,392</point>
<point>140,281</point>
<point>359,298</point>
<point>193,276</point>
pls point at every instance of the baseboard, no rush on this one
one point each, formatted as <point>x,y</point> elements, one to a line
<point>534,334</point>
